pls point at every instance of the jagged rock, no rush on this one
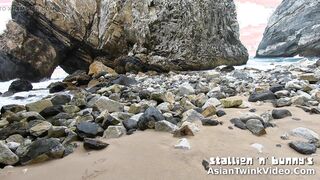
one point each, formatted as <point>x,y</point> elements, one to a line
<point>3,123</point>
<point>97,69</point>
<point>268,95</point>
<point>191,116</point>
<point>78,78</point>
<point>292,30</point>
<point>70,109</point>
<point>149,118</point>
<point>61,99</point>
<point>40,129</point>
<point>12,108</point>
<point>165,126</point>
<point>231,103</point>
<point>93,144</point>
<point>124,81</point>
<point>277,87</point>
<point>282,102</point>
<point>209,111</point>
<point>29,116</point>
<point>20,86</point>
<point>51,111</point>
<point>132,123</point>
<point>238,123</point>
<point>13,146</point>
<point>89,130</point>
<point>186,89</point>
<point>115,33</point>
<point>280,113</point>
<point>104,103</point>
<point>282,94</point>
<point>57,131</point>
<point>256,127</point>
<point>211,102</point>
<point>17,138</point>
<point>186,129</point>
<point>7,157</point>
<point>42,150</point>
<point>303,147</point>
<point>57,87</point>
<point>311,77</point>
<point>114,132</point>
<point>39,105</point>
<point>14,128</point>
<point>135,108</point>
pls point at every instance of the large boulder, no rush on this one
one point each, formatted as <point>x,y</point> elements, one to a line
<point>132,35</point>
<point>292,30</point>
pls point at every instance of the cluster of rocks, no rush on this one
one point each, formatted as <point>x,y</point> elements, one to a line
<point>102,103</point>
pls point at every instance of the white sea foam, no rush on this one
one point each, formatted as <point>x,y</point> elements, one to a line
<point>38,93</point>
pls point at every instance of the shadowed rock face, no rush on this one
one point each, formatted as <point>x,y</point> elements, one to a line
<point>162,35</point>
<point>293,29</point>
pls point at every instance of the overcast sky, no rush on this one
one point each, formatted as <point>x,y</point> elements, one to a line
<point>252,16</point>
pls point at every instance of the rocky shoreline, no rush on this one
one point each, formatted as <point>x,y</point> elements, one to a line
<point>107,105</point>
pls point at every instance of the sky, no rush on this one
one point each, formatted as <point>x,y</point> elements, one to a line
<point>253,16</point>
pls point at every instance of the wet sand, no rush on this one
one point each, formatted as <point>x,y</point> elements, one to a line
<point>151,155</point>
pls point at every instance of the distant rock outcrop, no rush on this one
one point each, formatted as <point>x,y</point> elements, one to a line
<point>137,35</point>
<point>293,29</point>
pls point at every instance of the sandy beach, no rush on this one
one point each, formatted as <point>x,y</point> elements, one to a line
<point>151,155</point>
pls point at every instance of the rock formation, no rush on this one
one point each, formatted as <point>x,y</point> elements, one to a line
<point>137,35</point>
<point>293,29</point>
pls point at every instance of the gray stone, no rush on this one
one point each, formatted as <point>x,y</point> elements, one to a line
<point>114,132</point>
<point>93,144</point>
<point>192,116</point>
<point>256,127</point>
<point>7,157</point>
<point>42,150</point>
<point>305,133</point>
<point>40,128</point>
<point>104,103</point>
<point>89,130</point>
<point>17,138</point>
<point>282,102</point>
<point>39,105</point>
<point>238,123</point>
<point>268,95</point>
<point>280,113</point>
<point>165,126</point>
<point>186,129</point>
<point>186,89</point>
<point>303,147</point>
<point>149,118</point>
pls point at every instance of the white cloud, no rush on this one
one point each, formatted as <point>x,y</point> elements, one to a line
<point>252,14</point>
